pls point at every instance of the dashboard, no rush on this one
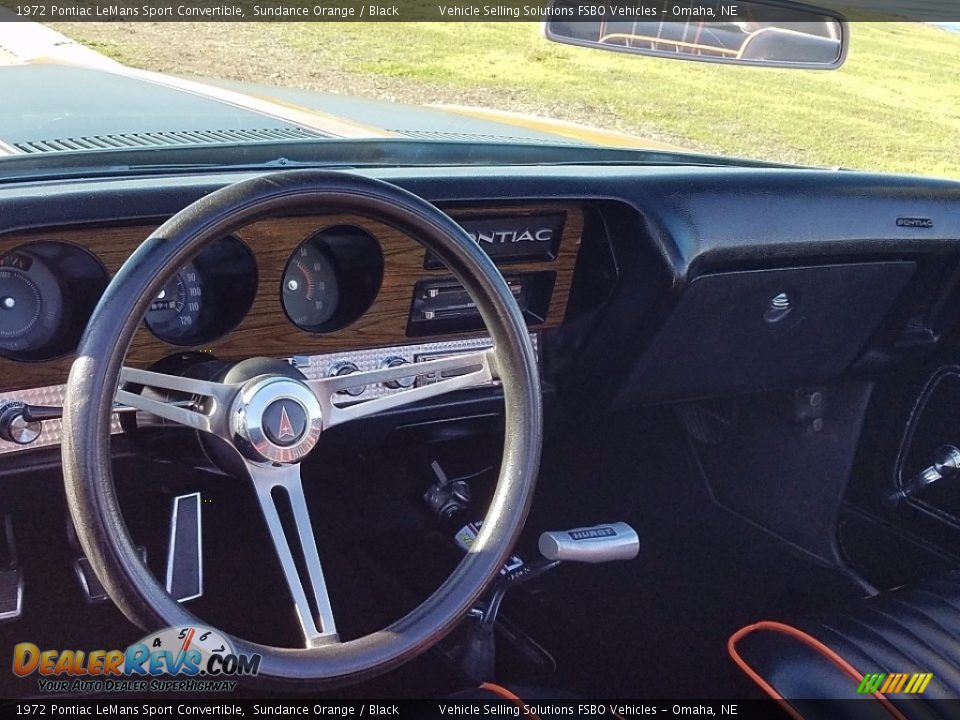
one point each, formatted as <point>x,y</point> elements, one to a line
<point>278,287</point>
<point>332,294</point>
<point>640,285</point>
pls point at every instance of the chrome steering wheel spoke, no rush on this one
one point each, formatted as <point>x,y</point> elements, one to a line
<point>271,483</point>
<point>209,413</point>
<point>456,372</point>
<point>237,412</point>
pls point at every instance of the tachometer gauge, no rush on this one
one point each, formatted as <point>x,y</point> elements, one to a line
<point>175,311</point>
<point>311,290</point>
<point>31,303</point>
<point>331,279</point>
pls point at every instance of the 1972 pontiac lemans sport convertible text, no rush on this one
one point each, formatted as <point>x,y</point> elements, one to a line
<point>307,397</point>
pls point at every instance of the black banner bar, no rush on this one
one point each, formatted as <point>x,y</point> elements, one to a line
<point>469,11</point>
<point>479,708</point>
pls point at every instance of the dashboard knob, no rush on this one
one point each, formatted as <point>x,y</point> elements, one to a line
<point>400,383</point>
<point>14,427</point>
<point>345,367</point>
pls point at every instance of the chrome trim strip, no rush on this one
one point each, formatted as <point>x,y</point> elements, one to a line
<point>314,367</point>
<point>18,610</point>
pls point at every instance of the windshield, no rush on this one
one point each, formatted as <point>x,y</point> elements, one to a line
<point>893,105</point>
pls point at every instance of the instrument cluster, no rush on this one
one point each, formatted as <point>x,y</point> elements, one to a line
<point>49,288</point>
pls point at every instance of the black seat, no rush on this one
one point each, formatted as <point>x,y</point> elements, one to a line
<point>900,650</point>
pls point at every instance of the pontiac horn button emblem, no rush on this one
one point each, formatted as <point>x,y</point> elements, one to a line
<point>285,422</point>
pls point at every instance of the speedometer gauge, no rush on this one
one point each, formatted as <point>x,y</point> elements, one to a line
<point>207,298</point>
<point>175,311</point>
<point>311,290</point>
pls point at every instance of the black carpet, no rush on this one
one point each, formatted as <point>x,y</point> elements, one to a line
<point>655,627</point>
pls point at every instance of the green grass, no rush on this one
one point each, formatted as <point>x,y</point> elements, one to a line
<point>118,51</point>
<point>894,106</point>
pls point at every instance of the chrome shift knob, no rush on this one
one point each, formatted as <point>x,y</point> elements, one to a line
<point>597,544</point>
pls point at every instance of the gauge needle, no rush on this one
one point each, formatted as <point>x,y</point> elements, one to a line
<point>187,640</point>
<point>186,645</point>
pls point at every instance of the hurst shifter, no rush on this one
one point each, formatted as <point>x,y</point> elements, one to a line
<point>597,544</point>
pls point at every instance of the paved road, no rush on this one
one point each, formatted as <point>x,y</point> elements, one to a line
<point>8,29</point>
<point>22,42</point>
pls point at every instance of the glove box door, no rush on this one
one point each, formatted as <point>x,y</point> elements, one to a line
<point>733,332</point>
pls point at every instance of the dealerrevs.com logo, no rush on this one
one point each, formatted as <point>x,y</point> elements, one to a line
<point>181,659</point>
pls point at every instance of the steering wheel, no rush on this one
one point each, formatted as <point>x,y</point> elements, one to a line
<point>243,413</point>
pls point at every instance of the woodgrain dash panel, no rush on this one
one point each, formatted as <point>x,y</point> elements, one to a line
<point>266,330</point>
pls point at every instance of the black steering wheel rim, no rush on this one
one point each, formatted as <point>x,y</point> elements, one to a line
<point>95,375</point>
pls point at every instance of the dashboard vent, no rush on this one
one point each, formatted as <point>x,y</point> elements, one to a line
<point>125,141</point>
<point>453,136</point>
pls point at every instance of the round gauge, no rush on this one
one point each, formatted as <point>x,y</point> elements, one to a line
<point>47,291</point>
<point>331,279</point>
<point>175,311</point>
<point>311,290</point>
<point>208,297</point>
<point>31,303</point>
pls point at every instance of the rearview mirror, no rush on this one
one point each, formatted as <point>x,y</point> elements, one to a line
<point>756,32</point>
